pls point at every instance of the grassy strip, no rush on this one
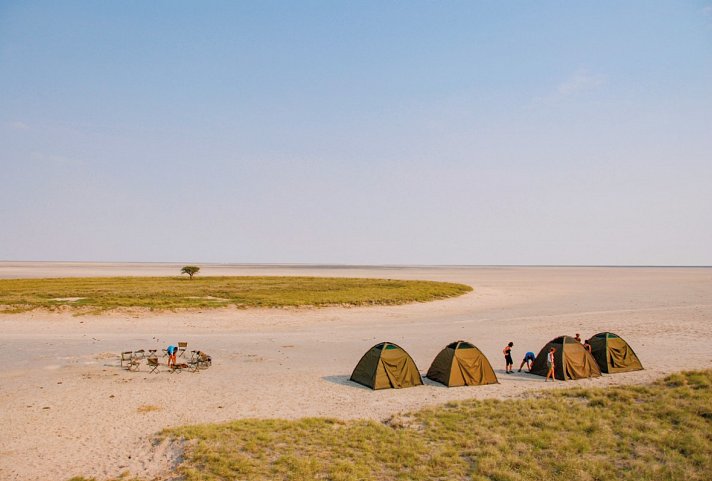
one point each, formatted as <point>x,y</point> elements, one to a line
<point>661,431</point>
<point>104,293</point>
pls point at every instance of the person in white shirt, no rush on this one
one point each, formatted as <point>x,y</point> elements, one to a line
<point>550,364</point>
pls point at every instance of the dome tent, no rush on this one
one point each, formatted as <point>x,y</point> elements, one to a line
<point>461,364</point>
<point>613,354</point>
<point>386,365</point>
<point>571,360</point>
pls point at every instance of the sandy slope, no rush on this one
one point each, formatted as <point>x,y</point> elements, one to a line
<point>67,409</point>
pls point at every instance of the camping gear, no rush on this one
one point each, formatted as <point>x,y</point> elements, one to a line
<point>180,366</point>
<point>613,354</point>
<point>200,360</point>
<point>129,361</point>
<point>182,346</point>
<point>153,364</point>
<point>571,360</point>
<point>386,365</point>
<point>461,364</point>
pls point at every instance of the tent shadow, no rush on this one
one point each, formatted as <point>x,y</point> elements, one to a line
<point>520,376</point>
<point>344,381</point>
<point>429,382</point>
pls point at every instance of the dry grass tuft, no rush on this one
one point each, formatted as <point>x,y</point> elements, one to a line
<point>148,408</point>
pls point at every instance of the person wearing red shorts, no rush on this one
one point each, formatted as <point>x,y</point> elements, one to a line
<point>172,350</point>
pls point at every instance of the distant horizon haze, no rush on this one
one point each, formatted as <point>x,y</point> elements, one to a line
<point>337,265</point>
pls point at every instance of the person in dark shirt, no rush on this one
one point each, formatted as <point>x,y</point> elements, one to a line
<point>509,367</point>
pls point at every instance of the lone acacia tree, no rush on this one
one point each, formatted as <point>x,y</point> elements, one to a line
<point>190,270</point>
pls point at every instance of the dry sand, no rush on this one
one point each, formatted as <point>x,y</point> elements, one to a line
<point>66,408</point>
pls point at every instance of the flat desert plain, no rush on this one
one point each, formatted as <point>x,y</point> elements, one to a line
<point>67,408</point>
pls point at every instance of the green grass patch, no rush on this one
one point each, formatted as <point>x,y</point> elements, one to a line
<point>661,431</point>
<point>89,294</point>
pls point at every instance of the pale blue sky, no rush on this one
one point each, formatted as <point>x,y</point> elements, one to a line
<point>357,132</point>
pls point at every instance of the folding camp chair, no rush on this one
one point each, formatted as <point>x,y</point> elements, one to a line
<point>140,354</point>
<point>182,346</point>
<point>126,357</point>
<point>129,362</point>
<point>199,360</point>
<point>203,360</point>
<point>153,364</point>
<point>180,366</point>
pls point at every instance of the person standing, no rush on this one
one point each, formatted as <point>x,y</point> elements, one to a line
<point>509,363</point>
<point>550,364</point>
<point>528,360</point>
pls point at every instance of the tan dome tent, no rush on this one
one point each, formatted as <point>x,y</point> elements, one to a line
<point>571,360</point>
<point>613,354</point>
<point>386,365</point>
<point>461,364</point>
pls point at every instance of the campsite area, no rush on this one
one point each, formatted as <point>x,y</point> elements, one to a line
<point>66,404</point>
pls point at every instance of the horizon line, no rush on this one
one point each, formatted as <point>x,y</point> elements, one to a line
<point>349,265</point>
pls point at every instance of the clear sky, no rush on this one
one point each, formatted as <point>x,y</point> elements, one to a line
<point>465,132</point>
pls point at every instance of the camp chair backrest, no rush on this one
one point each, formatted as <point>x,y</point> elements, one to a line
<point>126,356</point>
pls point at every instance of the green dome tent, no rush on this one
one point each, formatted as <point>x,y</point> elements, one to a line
<point>386,365</point>
<point>461,364</point>
<point>613,354</point>
<point>571,360</point>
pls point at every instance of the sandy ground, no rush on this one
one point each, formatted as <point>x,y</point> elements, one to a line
<point>66,408</point>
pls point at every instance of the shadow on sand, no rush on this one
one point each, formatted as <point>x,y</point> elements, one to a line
<point>519,376</point>
<point>344,381</point>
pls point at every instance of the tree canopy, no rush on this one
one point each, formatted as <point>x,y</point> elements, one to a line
<point>190,270</point>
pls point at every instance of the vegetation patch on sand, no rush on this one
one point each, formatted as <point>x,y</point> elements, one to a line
<point>148,408</point>
<point>661,431</point>
<point>104,293</point>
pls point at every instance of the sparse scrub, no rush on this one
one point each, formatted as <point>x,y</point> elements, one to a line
<point>659,432</point>
<point>96,294</point>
